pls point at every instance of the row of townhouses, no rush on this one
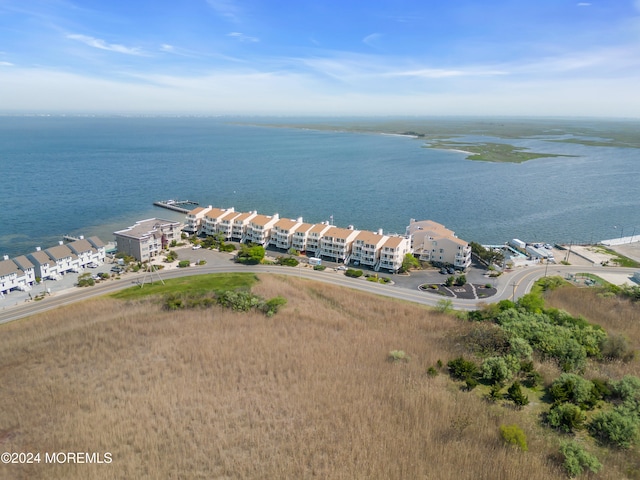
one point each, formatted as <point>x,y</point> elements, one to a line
<point>20,273</point>
<point>427,240</point>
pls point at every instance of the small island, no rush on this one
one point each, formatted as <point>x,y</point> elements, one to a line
<point>492,152</point>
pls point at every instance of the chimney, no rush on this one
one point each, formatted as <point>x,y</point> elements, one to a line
<point>81,237</point>
<point>380,232</point>
<point>60,242</point>
<point>299,219</point>
<point>38,249</point>
<point>350,227</point>
<point>5,257</point>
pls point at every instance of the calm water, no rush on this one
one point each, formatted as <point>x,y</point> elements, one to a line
<point>96,175</point>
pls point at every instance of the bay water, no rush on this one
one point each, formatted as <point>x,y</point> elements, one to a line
<point>94,175</point>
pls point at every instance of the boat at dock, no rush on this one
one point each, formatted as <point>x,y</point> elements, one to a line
<point>182,206</point>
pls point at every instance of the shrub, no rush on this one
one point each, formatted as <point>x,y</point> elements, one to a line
<point>495,392</point>
<point>614,428</point>
<point>513,435</point>
<point>85,280</point>
<point>319,267</point>
<point>184,263</point>
<point>616,347</point>
<point>461,280</point>
<point>351,272</point>
<point>498,369</point>
<point>514,393</point>
<point>398,356</point>
<point>572,388</point>
<point>287,261</point>
<point>444,305</point>
<point>432,372</point>
<point>450,281</point>
<point>566,417</point>
<point>461,369</point>
<point>227,247</point>
<point>272,305</point>
<point>576,459</point>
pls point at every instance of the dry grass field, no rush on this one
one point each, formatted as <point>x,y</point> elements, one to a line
<point>307,393</point>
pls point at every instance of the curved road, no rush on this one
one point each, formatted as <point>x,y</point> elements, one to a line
<point>510,285</point>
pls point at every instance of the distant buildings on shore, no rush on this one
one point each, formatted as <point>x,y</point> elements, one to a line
<point>21,273</point>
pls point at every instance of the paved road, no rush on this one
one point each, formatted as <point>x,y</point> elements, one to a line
<point>510,285</point>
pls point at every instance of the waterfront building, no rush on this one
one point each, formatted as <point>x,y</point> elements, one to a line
<point>16,274</point>
<point>367,247</point>
<point>283,231</point>
<point>211,220</point>
<point>299,239</point>
<point>89,251</point>
<point>259,229</point>
<point>315,234</point>
<point>336,244</point>
<point>45,267</point>
<point>432,242</point>
<point>239,225</point>
<point>393,252</point>
<point>194,220</point>
<point>147,238</point>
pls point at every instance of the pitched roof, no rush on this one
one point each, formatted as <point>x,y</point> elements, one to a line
<point>60,251</point>
<point>7,267</point>
<point>342,233</point>
<point>23,262</point>
<point>261,220</point>
<point>286,223</point>
<point>369,237</point>
<point>41,257</point>
<point>81,245</point>
<point>394,242</point>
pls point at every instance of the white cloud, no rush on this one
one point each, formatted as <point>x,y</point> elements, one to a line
<point>444,73</point>
<point>226,9</point>
<point>165,47</point>
<point>584,4</point>
<point>371,39</point>
<point>6,64</point>
<point>243,38</point>
<point>102,45</point>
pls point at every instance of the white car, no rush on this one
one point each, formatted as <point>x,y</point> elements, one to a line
<point>196,247</point>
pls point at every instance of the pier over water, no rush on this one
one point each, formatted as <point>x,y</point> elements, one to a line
<point>182,206</point>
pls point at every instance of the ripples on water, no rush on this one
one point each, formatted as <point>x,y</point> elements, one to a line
<point>95,175</point>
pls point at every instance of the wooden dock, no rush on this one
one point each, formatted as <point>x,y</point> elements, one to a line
<point>182,206</point>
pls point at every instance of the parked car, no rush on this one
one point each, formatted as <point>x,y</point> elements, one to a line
<point>196,247</point>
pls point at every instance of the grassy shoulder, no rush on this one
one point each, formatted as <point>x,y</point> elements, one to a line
<point>196,285</point>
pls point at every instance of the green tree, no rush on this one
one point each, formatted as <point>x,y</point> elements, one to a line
<point>409,262</point>
<point>461,369</point>
<point>566,417</point>
<point>499,369</point>
<point>461,280</point>
<point>572,388</point>
<point>514,393</point>
<point>450,281</point>
<point>615,428</point>
<point>251,254</point>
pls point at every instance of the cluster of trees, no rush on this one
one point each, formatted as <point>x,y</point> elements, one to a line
<point>504,343</point>
<point>459,281</point>
<point>250,254</point>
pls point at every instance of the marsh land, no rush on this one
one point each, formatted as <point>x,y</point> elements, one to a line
<point>310,391</point>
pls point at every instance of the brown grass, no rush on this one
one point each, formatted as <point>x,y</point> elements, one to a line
<point>215,394</point>
<point>618,316</point>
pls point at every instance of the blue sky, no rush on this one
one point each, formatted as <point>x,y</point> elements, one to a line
<point>321,57</point>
